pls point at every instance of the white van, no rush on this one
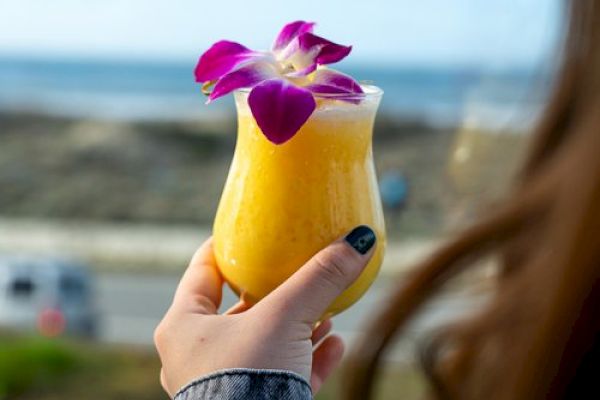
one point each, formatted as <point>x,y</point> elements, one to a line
<point>51,296</point>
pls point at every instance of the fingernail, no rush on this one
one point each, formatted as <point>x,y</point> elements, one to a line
<point>362,238</point>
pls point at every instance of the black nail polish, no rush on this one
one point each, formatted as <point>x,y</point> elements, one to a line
<point>362,238</point>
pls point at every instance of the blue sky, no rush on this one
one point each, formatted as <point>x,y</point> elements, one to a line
<point>452,32</point>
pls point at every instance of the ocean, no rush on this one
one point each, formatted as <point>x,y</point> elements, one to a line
<point>166,91</point>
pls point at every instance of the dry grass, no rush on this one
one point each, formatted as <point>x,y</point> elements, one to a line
<point>396,382</point>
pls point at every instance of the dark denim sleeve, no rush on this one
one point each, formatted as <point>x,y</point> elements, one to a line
<point>247,384</point>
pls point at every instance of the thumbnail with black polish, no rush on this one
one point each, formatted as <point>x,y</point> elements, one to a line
<point>362,238</point>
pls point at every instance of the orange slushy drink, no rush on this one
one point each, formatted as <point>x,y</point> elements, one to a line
<point>283,203</point>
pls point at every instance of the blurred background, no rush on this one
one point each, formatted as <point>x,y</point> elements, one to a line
<point>111,166</point>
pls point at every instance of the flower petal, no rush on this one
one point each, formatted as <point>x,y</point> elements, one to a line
<point>327,52</point>
<point>309,50</point>
<point>290,32</point>
<point>329,81</point>
<point>280,108</point>
<point>244,77</point>
<point>303,63</point>
<point>335,79</point>
<point>220,59</point>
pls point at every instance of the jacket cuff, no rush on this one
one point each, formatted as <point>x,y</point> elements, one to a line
<point>247,384</point>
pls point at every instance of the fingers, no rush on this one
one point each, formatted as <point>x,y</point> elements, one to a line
<point>200,288</point>
<point>163,382</point>
<point>242,305</point>
<point>321,331</point>
<point>325,359</point>
<point>308,293</point>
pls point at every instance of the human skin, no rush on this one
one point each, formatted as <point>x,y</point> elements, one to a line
<point>278,332</point>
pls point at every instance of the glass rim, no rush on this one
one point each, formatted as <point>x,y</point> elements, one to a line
<point>369,92</point>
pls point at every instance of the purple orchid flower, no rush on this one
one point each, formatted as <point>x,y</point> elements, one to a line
<point>283,81</point>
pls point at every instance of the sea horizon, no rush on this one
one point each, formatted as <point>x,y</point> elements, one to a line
<point>130,90</point>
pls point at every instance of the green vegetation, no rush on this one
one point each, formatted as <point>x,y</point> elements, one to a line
<point>32,362</point>
<point>44,369</point>
<point>34,368</point>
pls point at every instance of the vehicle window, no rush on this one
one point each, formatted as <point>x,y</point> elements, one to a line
<point>71,287</point>
<point>22,287</point>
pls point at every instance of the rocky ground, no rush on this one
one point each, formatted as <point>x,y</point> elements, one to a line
<point>173,173</point>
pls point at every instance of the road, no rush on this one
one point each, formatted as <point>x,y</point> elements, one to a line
<point>131,305</point>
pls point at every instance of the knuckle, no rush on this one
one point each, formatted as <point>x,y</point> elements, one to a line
<point>333,268</point>
<point>204,304</point>
<point>160,335</point>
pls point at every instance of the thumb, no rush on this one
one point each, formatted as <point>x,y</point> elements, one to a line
<point>307,294</point>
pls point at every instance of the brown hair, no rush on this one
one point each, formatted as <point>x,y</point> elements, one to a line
<point>535,337</point>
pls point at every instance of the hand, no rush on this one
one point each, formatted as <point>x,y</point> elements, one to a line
<point>277,333</point>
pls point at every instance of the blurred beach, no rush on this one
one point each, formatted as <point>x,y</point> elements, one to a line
<point>121,165</point>
<point>163,91</point>
<point>134,142</point>
<point>110,159</point>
